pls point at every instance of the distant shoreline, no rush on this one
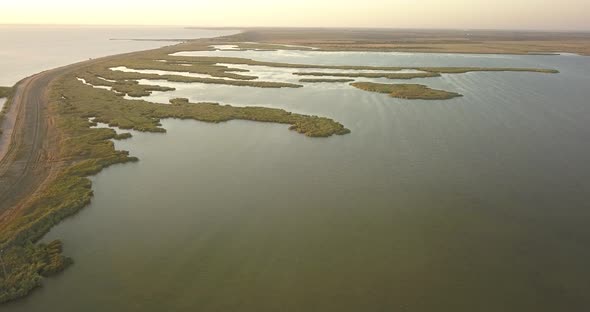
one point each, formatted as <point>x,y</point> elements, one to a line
<point>424,41</point>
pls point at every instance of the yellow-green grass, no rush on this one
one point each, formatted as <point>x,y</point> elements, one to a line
<point>406,91</point>
<point>197,68</point>
<point>462,70</point>
<point>430,41</point>
<point>5,92</point>
<point>108,107</point>
<point>176,59</point>
<point>126,82</point>
<point>314,80</point>
<point>371,75</point>
<point>245,46</point>
<point>26,265</point>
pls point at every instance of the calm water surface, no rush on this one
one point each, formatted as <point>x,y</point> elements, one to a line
<point>27,50</point>
<point>478,203</point>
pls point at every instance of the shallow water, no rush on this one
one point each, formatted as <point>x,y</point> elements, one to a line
<point>402,59</point>
<point>27,50</point>
<point>2,101</point>
<point>165,72</point>
<point>263,73</point>
<point>477,203</point>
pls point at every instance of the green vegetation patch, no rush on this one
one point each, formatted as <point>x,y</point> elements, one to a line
<point>325,80</point>
<point>196,68</point>
<point>372,75</point>
<point>312,126</point>
<point>462,70</point>
<point>426,72</point>
<point>248,46</point>
<point>126,83</point>
<point>140,115</point>
<point>5,92</point>
<point>22,268</point>
<point>406,91</point>
<point>198,46</point>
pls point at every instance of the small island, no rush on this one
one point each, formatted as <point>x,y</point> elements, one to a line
<point>319,80</point>
<point>406,91</point>
<point>387,75</point>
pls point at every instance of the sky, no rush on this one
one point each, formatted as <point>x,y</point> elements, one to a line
<point>457,14</point>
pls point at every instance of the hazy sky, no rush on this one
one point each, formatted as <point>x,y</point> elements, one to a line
<point>498,14</point>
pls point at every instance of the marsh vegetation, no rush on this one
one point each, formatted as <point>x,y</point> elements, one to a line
<point>425,41</point>
<point>23,267</point>
<point>406,91</point>
<point>5,92</point>
<point>177,57</point>
<point>372,75</point>
<point>166,64</point>
<point>312,80</point>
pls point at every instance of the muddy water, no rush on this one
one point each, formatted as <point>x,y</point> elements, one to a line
<point>478,203</point>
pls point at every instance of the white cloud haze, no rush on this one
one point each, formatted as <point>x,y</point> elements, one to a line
<point>499,14</point>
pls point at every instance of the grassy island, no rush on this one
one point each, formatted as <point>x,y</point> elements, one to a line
<point>325,80</point>
<point>372,75</point>
<point>312,126</point>
<point>212,60</point>
<point>406,91</point>
<point>126,83</point>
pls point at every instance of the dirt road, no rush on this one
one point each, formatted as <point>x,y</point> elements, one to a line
<point>26,148</point>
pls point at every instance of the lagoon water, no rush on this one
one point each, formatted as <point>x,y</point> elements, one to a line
<point>27,50</point>
<point>477,203</point>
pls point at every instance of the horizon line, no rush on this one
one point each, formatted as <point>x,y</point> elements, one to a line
<point>299,27</point>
